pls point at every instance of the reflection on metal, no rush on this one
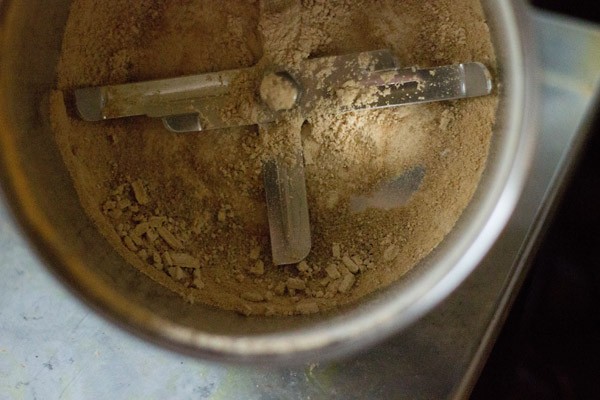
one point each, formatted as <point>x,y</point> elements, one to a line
<point>392,193</point>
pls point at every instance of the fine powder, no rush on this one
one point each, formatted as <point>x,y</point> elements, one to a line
<point>189,211</point>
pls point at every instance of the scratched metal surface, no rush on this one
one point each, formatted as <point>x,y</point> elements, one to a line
<point>52,347</point>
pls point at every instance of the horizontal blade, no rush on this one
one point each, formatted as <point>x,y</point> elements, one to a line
<point>206,101</point>
<point>320,77</point>
<point>177,100</point>
<point>412,86</point>
<point>149,98</point>
<point>353,81</point>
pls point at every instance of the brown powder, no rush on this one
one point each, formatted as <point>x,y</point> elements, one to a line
<point>189,211</point>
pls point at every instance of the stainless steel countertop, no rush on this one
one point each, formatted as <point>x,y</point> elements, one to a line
<point>53,347</point>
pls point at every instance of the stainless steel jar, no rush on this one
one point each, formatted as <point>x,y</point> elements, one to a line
<point>37,186</point>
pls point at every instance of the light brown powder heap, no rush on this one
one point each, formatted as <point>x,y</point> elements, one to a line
<point>189,210</point>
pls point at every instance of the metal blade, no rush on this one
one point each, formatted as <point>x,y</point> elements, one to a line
<point>348,77</point>
<point>391,193</point>
<point>177,100</point>
<point>287,209</point>
<point>412,86</point>
<point>320,77</point>
<point>150,98</point>
<point>199,102</point>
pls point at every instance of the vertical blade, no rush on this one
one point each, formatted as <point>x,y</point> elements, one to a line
<point>287,209</point>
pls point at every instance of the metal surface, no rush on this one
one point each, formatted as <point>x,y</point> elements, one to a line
<point>392,193</point>
<point>44,202</point>
<point>206,95</point>
<point>195,103</point>
<point>422,85</point>
<point>53,347</point>
<point>287,206</point>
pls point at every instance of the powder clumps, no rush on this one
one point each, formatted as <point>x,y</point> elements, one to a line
<point>189,211</point>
